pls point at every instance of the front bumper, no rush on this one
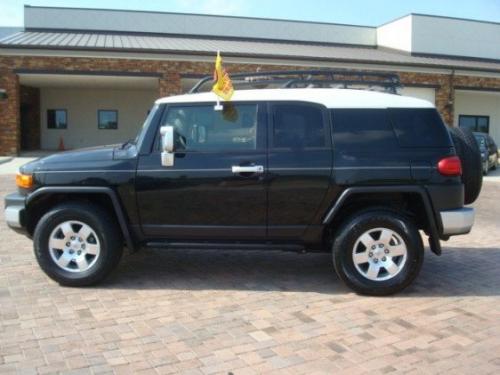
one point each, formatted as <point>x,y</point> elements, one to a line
<point>458,221</point>
<point>14,212</point>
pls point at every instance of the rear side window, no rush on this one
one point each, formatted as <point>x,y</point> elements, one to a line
<point>419,127</point>
<point>298,126</point>
<point>362,130</point>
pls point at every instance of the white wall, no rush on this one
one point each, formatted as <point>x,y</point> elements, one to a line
<point>448,36</point>
<point>425,93</point>
<point>480,104</point>
<point>82,105</point>
<point>396,34</point>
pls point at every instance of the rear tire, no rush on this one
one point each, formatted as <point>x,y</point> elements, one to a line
<point>472,166</point>
<point>77,244</point>
<point>378,252</point>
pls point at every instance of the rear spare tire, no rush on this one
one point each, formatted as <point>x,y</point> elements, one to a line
<point>470,156</point>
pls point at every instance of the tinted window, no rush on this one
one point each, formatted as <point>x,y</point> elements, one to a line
<point>57,119</point>
<point>366,128</point>
<point>298,126</point>
<point>201,128</point>
<point>481,141</point>
<point>419,127</point>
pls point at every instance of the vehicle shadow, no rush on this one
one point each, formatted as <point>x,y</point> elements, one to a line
<point>459,271</point>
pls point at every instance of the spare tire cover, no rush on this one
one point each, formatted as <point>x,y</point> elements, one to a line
<point>470,156</point>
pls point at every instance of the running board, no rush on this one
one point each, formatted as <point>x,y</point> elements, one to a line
<point>226,246</point>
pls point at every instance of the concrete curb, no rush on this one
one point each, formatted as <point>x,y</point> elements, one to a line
<point>5,159</point>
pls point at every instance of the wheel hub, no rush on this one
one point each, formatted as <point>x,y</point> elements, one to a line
<point>74,246</point>
<point>379,254</point>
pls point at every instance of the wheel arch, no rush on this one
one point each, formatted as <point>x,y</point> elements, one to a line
<point>413,200</point>
<point>41,200</point>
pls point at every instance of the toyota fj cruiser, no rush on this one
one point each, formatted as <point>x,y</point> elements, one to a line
<point>307,166</point>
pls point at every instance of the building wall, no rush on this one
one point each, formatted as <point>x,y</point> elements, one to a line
<point>479,103</point>
<point>396,34</point>
<point>449,36</point>
<point>425,93</point>
<point>195,24</point>
<point>170,83</point>
<point>82,106</point>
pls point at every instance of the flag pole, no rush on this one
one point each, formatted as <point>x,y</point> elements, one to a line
<point>218,106</point>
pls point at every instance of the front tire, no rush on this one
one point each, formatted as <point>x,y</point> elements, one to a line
<point>378,252</point>
<point>77,244</point>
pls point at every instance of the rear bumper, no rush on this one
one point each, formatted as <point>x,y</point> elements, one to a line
<point>458,221</point>
<point>14,211</point>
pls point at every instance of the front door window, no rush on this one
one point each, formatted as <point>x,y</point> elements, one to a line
<point>200,128</point>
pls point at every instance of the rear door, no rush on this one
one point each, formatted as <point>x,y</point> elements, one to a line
<point>300,163</point>
<point>216,187</point>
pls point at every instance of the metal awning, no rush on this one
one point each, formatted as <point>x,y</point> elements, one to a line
<point>117,42</point>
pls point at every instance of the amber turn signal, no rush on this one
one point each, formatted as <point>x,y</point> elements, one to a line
<point>24,181</point>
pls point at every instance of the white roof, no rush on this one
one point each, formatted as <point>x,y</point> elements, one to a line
<point>330,98</point>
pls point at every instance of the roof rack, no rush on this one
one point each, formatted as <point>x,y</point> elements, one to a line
<point>388,82</point>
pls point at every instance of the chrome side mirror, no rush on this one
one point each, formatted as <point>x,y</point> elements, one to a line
<point>167,146</point>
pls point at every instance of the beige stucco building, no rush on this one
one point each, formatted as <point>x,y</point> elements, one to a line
<point>84,77</point>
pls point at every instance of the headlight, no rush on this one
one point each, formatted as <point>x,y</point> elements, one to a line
<point>24,181</point>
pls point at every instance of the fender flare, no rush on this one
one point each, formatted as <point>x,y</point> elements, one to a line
<point>91,190</point>
<point>434,223</point>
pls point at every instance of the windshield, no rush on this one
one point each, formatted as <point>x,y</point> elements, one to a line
<point>481,141</point>
<point>142,132</point>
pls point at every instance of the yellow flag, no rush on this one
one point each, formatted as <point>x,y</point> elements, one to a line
<point>223,86</point>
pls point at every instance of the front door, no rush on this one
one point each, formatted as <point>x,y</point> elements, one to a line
<point>216,187</point>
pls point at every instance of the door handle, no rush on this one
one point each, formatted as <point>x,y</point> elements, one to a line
<point>247,169</point>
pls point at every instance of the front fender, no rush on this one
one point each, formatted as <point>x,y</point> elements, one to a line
<point>89,190</point>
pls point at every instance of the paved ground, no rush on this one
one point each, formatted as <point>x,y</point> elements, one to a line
<point>244,313</point>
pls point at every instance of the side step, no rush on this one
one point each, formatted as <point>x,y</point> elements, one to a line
<point>226,246</point>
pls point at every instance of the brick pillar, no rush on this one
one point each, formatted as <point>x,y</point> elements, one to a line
<point>10,131</point>
<point>445,99</point>
<point>170,84</point>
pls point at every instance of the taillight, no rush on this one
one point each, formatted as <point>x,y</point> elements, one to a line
<point>450,166</point>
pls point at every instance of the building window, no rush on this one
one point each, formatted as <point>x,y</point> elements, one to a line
<point>57,119</point>
<point>107,119</point>
<point>475,123</point>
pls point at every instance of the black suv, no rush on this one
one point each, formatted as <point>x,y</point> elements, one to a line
<point>354,172</point>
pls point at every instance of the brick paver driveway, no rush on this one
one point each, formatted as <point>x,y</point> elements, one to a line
<point>259,312</point>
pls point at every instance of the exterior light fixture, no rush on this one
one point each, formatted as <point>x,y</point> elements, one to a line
<point>3,94</point>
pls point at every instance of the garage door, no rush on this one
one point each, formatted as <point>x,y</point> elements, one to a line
<point>425,93</point>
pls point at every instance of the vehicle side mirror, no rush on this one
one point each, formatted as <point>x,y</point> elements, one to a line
<point>167,146</point>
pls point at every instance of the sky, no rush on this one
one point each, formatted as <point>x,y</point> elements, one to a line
<point>358,12</point>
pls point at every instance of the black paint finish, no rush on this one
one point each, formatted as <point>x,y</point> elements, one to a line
<point>311,157</point>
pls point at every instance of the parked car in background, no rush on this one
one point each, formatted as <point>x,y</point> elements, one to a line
<point>489,151</point>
